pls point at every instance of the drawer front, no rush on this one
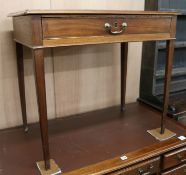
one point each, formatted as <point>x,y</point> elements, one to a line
<point>181,170</point>
<point>61,27</point>
<point>149,167</point>
<point>174,158</point>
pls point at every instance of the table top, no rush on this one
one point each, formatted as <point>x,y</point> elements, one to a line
<point>91,12</point>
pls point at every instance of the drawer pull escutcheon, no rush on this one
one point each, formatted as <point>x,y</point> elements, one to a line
<point>109,28</point>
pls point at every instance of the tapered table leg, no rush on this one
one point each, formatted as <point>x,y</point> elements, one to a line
<point>124,56</point>
<point>20,70</point>
<point>38,56</point>
<point>168,71</point>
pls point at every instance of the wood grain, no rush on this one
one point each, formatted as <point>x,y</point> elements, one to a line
<point>116,163</point>
<point>124,61</point>
<point>21,80</point>
<point>151,166</point>
<point>167,80</point>
<point>95,26</point>
<point>174,158</point>
<point>23,34</point>
<point>77,30</point>
<point>69,135</point>
<point>102,40</point>
<point>38,57</point>
<point>177,170</point>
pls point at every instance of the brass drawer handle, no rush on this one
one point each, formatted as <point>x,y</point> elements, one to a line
<point>141,172</point>
<point>108,27</point>
<point>180,158</point>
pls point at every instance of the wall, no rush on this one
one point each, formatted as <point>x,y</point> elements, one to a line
<point>78,79</point>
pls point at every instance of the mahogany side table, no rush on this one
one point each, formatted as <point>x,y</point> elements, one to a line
<point>40,29</point>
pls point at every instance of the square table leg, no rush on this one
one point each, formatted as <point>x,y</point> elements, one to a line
<point>38,57</point>
<point>168,72</point>
<point>162,133</point>
<point>124,57</point>
<point>20,71</point>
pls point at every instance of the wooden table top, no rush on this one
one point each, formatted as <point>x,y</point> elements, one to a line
<point>91,12</point>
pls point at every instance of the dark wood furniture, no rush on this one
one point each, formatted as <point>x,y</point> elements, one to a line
<point>153,63</point>
<point>94,142</point>
<point>41,29</point>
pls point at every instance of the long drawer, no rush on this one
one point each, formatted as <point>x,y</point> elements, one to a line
<point>180,170</point>
<point>174,158</point>
<point>148,167</point>
<point>62,27</point>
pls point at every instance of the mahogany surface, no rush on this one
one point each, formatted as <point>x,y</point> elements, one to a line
<point>85,139</point>
<point>85,26</point>
<point>151,166</point>
<point>67,28</point>
<point>176,171</point>
<point>182,121</point>
<point>124,61</point>
<point>20,69</point>
<point>174,158</point>
<point>38,56</point>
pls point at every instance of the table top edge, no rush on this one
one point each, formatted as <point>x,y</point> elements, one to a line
<point>91,12</point>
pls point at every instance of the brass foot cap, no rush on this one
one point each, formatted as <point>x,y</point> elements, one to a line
<point>54,168</point>
<point>156,133</point>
